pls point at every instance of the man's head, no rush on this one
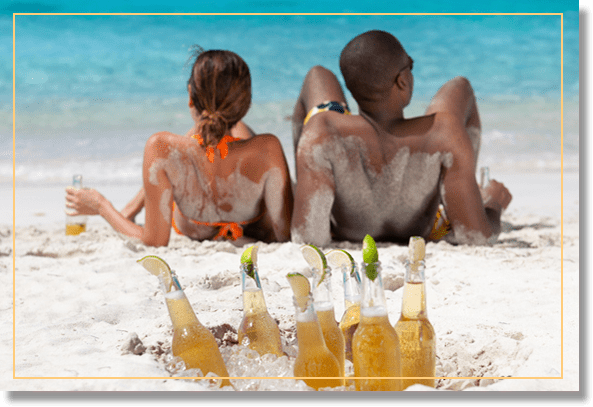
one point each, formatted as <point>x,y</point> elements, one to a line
<point>370,64</point>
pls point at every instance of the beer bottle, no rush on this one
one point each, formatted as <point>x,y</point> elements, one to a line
<point>324,307</point>
<point>75,225</point>
<point>417,340</point>
<point>314,362</point>
<point>192,341</point>
<point>375,345</point>
<point>258,330</point>
<point>352,297</point>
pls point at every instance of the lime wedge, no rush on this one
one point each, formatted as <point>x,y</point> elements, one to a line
<point>301,288</point>
<point>249,259</point>
<point>316,260</point>
<point>159,267</point>
<point>370,256</point>
<point>338,258</point>
<point>416,249</point>
<point>369,250</point>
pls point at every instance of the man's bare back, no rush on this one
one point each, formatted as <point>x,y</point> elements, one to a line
<point>382,174</point>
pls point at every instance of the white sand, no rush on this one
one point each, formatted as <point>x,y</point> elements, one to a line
<point>498,311</point>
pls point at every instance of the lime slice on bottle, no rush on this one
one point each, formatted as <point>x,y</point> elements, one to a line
<point>301,288</point>
<point>159,267</point>
<point>249,259</point>
<point>339,259</point>
<point>316,260</point>
<point>370,256</point>
<point>416,249</point>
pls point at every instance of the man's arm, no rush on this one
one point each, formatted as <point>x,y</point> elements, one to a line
<point>278,190</point>
<point>315,190</point>
<point>461,196</point>
<point>474,220</point>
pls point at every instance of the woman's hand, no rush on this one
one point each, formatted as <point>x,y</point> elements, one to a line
<point>84,201</point>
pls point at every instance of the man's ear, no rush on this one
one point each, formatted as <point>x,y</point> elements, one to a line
<point>401,81</point>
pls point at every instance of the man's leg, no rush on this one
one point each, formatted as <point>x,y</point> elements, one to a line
<point>320,85</point>
<point>457,97</point>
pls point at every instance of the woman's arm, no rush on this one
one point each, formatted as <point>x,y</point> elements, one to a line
<point>90,202</point>
<point>134,207</point>
<point>158,199</point>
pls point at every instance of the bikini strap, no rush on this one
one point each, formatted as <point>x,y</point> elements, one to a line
<point>227,230</point>
<point>222,146</point>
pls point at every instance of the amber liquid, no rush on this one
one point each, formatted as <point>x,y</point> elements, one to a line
<point>75,229</point>
<point>348,325</point>
<point>375,352</point>
<point>192,341</point>
<point>333,337</point>
<point>314,358</point>
<point>258,326</point>
<point>417,340</point>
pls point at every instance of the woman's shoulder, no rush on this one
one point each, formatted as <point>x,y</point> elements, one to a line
<point>166,138</point>
<point>264,150</point>
<point>265,141</point>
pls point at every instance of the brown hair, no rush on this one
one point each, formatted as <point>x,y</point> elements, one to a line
<point>369,64</point>
<point>220,89</point>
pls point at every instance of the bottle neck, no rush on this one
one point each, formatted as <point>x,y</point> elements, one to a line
<point>77,181</point>
<point>308,328</point>
<point>322,290</point>
<point>352,286</point>
<point>253,296</point>
<point>180,310</point>
<point>249,277</point>
<point>414,297</point>
<point>373,296</point>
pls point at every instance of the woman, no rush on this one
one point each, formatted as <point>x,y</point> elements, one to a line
<point>210,185</point>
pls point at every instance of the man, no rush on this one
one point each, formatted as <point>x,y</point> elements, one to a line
<point>378,172</point>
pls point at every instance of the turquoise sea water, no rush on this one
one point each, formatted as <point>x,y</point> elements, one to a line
<point>91,89</point>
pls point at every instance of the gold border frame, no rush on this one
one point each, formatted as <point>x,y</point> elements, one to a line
<point>287,14</point>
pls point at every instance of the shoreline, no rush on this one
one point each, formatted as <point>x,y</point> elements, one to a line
<point>536,192</point>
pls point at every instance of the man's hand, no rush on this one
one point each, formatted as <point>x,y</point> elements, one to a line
<point>496,196</point>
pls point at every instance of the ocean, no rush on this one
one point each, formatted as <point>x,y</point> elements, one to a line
<point>90,90</point>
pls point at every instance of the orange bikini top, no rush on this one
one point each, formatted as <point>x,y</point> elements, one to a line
<point>222,146</point>
<point>227,230</point>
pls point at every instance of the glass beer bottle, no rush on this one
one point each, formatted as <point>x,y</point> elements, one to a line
<point>351,317</point>
<point>75,225</point>
<point>417,340</point>
<point>314,359</point>
<point>192,341</point>
<point>258,330</point>
<point>484,177</point>
<point>375,345</point>
<point>324,307</point>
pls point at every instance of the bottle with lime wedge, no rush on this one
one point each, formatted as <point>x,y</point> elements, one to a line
<point>258,330</point>
<point>323,303</point>
<point>375,345</point>
<point>192,341</point>
<point>314,364</point>
<point>417,339</point>
<point>343,261</point>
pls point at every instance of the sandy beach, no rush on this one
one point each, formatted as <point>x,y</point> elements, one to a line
<point>508,311</point>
